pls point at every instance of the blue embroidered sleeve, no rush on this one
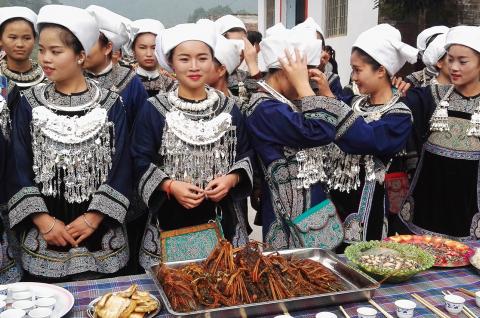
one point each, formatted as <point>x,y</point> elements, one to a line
<point>134,96</point>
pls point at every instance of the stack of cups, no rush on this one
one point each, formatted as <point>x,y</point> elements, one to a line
<point>19,301</point>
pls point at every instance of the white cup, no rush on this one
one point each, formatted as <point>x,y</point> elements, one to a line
<point>325,314</point>
<point>40,313</point>
<point>16,288</point>
<point>366,312</point>
<point>26,305</point>
<point>477,298</point>
<point>44,293</point>
<point>46,303</point>
<point>454,303</point>
<point>24,295</point>
<point>13,313</point>
<point>405,308</point>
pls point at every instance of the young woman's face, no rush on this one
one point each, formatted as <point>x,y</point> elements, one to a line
<point>97,57</point>
<point>18,40</point>
<point>367,79</point>
<point>463,65</point>
<point>144,51</point>
<point>58,61</point>
<point>442,66</point>
<point>216,74</point>
<point>192,63</point>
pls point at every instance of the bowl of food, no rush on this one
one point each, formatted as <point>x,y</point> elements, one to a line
<point>389,261</point>
<point>131,303</point>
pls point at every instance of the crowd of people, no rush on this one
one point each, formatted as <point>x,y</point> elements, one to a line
<point>125,143</point>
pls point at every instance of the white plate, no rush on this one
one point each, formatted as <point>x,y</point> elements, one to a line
<point>64,298</point>
<point>91,307</point>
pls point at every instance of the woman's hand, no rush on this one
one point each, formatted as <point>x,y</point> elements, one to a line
<point>188,195</point>
<point>83,226</point>
<point>55,232</point>
<point>297,73</point>
<point>321,79</point>
<point>218,188</point>
<point>400,85</point>
<point>250,57</point>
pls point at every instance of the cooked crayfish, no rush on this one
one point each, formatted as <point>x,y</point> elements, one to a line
<point>233,276</point>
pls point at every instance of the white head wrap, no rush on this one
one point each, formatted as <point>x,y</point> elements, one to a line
<point>272,48</point>
<point>228,52</point>
<point>113,25</point>
<point>384,44</point>
<point>435,51</point>
<point>168,39</point>
<point>7,13</point>
<point>147,26</point>
<point>426,34</point>
<point>228,22</point>
<point>77,20</point>
<point>274,29</point>
<point>465,35</point>
<point>309,23</point>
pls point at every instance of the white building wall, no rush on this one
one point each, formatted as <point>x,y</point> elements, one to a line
<point>361,16</point>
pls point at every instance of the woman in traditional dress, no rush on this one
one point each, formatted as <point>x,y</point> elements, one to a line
<point>190,151</point>
<point>364,147</point>
<point>287,136</point>
<point>118,77</point>
<point>71,168</point>
<point>443,198</point>
<point>17,39</point>
<point>147,68</point>
<point>435,57</point>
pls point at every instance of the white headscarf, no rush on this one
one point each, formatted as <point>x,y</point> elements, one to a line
<point>147,26</point>
<point>228,22</point>
<point>466,35</point>
<point>168,39</point>
<point>112,25</point>
<point>228,52</point>
<point>426,34</point>
<point>435,51</point>
<point>272,48</point>
<point>384,44</point>
<point>309,23</point>
<point>77,20</point>
<point>274,29</point>
<point>7,13</point>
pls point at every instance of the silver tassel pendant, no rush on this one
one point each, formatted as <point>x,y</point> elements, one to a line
<point>474,129</point>
<point>439,121</point>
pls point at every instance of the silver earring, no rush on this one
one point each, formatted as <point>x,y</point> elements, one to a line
<point>80,61</point>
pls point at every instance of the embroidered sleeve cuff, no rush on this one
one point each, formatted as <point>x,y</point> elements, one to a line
<point>110,202</point>
<point>399,109</point>
<point>244,188</point>
<point>150,181</point>
<point>25,202</point>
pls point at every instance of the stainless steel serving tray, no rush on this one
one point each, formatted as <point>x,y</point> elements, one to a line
<point>359,287</point>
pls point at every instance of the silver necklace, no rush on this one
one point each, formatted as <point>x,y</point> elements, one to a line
<point>177,102</point>
<point>373,114</point>
<point>71,108</point>
<point>27,79</point>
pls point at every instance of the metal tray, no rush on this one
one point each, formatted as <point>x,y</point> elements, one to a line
<point>359,287</point>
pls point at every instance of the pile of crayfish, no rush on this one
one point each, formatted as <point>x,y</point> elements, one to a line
<point>234,276</point>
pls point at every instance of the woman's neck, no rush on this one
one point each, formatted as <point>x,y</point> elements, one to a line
<point>443,79</point>
<point>75,84</point>
<point>19,66</point>
<point>222,86</point>
<point>469,89</point>
<point>192,93</point>
<point>382,95</point>
<point>100,68</point>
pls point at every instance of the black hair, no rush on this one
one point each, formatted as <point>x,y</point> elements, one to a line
<point>136,37</point>
<point>234,30</point>
<point>66,36</point>
<point>254,37</point>
<point>3,26</point>
<point>102,38</point>
<point>332,59</point>
<point>366,58</point>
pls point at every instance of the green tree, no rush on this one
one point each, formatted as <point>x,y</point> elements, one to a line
<point>212,13</point>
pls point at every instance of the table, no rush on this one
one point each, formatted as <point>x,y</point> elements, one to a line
<point>428,284</point>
